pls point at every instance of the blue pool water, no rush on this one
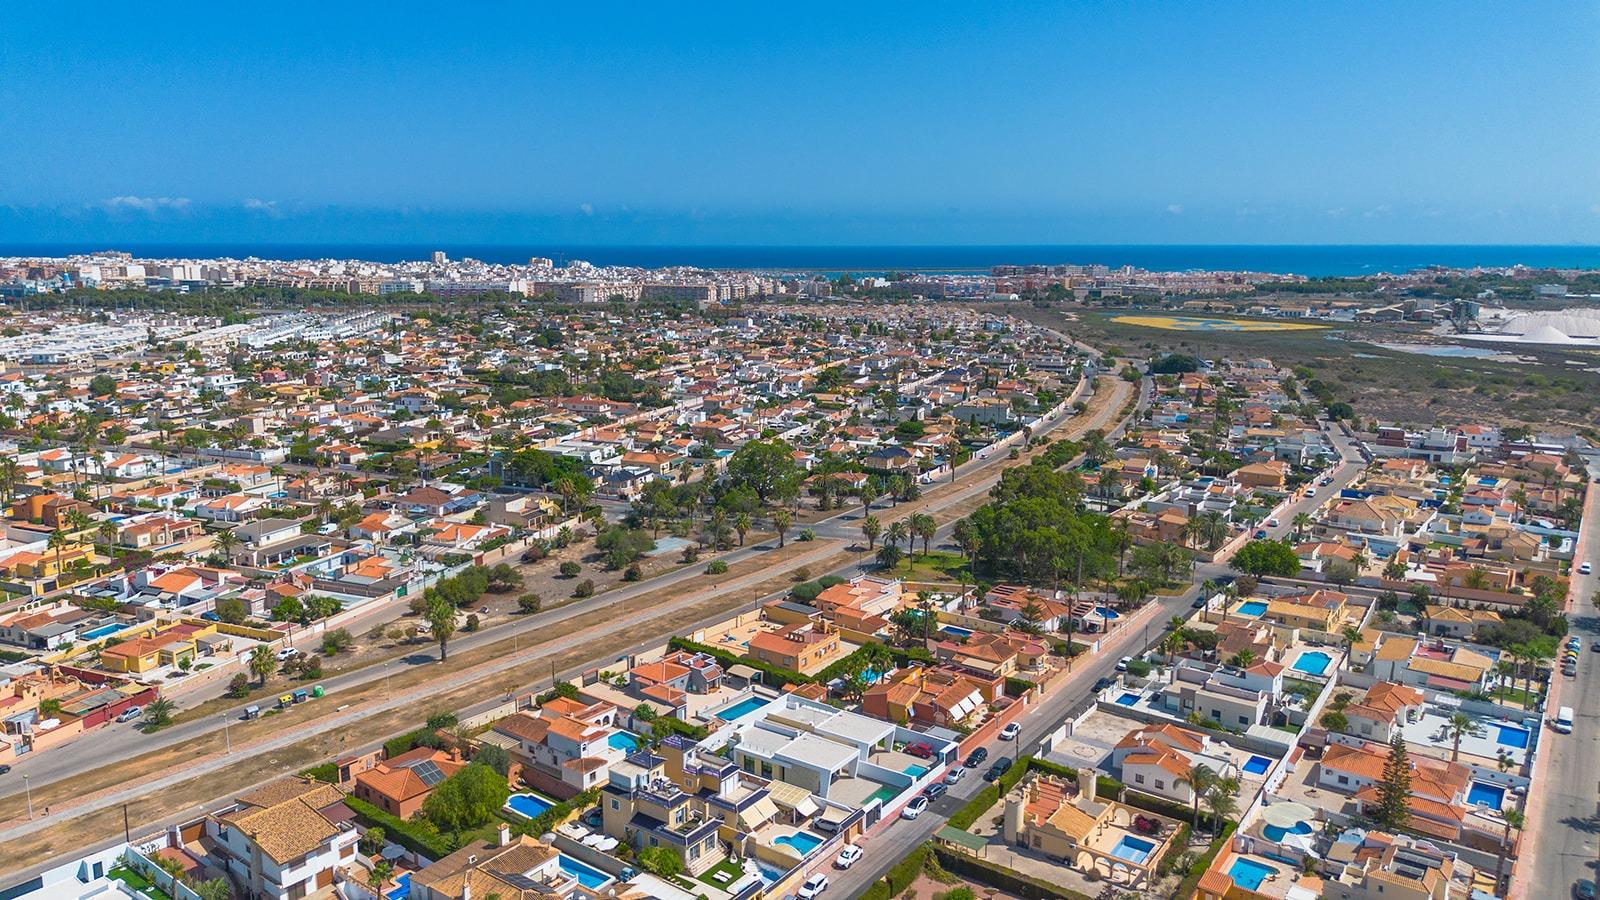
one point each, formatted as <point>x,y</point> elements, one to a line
<point>915,771</point>
<point>587,875</point>
<point>622,740</point>
<point>1313,662</point>
<point>955,631</point>
<point>1512,736</point>
<point>1257,765</point>
<point>1278,833</point>
<point>102,631</point>
<point>1252,608</point>
<point>741,709</point>
<point>1248,874</point>
<point>803,842</point>
<point>528,805</point>
<point>1132,849</point>
<point>1489,795</point>
<point>1106,612</point>
<point>402,888</point>
<point>1128,699</point>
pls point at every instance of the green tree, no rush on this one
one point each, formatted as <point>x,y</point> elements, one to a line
<point>766,467</point>
<point>1458,726</point>
<point>441,617</point>
<point>159,712</point>
<point>1394,791</point>
<point>231,610</point>
<point>870,529</point>
<point>495,757</point>
<point>263,662</point>
<point>1264,557</point>
<point>1200,778</point>
<point>467,799</point>
<point>663,862</point>
<point>781,520</point>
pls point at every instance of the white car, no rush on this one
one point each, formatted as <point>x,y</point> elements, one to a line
<point>958,773</point>
<point>1311,492</point>
<point>1122,664</point>
<point>287,652</point>
<point>848,856</point>
<point>914,808</point>
<point>1272,523</point>
<point>1585,568</point>
<point>1010,731</point>
<point>814,886</point>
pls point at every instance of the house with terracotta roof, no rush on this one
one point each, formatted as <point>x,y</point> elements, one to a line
<point>285,840</point>
<point>804,647</point>
<point>1067,820</point>
<point>1383,709</point>
<point>566,746</point>
<point>945,696</point>
<point>1157,759</point>
<point>399,786</point>
<point>1438,786</point>
<point>513,867</point>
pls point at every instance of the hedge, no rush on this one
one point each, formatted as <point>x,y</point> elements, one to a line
<point>429,844</point>
<point>1009,880</point>
<point>327,773</point>
<point>899,877</point>
<point>1191,882</point>
<point>989,796</point>
<point>775,676</point>
<point>1175,850</point>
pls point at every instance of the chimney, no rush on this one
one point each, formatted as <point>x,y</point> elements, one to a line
<point>466,886</point>
<point>1088,783</point>
<point>505,834</point>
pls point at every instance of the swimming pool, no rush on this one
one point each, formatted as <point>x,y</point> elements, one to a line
<point>402,888</point>
<point>1278,833</point>
<point>955,631</point>
<point>1127,699</point>
<point>587,875</point>
<point>1251,608</point>
<point>1512,736</point>
<point>1257,765</point>
<point>882,795</point>
<point>1248,874</point>
<point>529,806</point>
<point>1132,849</point>
<point>1489,795</point>
<point>1313,662</point>
<point>915,771</point>
<point>803,842</point>
<point>741,709</point>
<point>1107,612</point>
<point>102,631</point>
<point>622,740</point>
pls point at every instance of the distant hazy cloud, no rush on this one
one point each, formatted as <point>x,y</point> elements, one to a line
<point>1175,209</point>
<point>145,204</point>
<point>267,207</point>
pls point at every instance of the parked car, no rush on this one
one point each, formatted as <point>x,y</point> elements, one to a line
<point>914,808</point>
<point>1311,492</point>
<point>1199,602</point>
<point>814,886</point>
<point>4,768</point>
<point>287,652</point>
<point>1595,646</point>
<point>1108,681</point>
<point>1583,889</point>
<point>129,714</point>
<point>1010,731</point>
<point>1260,534</point>
<point>955,776</point>
<point>1272,522</point>
<point>936,790</point>
<point>1000,767</point>
<point>920,750</point>
<point>847,856</point>
<point>1574,642</point>
<point>976,757</point>
<point>1122,664</point>
<point>1584,568</point>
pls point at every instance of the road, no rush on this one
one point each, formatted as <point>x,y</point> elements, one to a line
<point>899,836</point>
<point>1562,840</point>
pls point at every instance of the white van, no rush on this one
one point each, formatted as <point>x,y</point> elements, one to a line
<point>1563,722</point>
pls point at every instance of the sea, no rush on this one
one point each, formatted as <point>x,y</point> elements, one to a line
<point>1313,260</point>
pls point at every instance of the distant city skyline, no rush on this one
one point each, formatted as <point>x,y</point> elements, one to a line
<point>825,125</point>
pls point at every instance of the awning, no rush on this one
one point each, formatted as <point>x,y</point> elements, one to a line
<point>966,840</point>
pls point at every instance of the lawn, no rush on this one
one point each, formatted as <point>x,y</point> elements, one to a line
<point>936,566</point>
<point>138,882</point>
<point>1516,695</point>
<point>727,866</point>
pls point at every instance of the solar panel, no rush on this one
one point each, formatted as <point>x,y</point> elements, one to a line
<point>428,772</point>
<point>520,881</point>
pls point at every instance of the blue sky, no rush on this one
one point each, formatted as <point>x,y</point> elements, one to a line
<point>810,123</point>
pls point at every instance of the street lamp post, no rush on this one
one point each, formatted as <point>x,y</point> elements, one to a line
<point>28,789</point>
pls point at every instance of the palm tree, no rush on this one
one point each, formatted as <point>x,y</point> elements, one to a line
<point>10,477</point>
<point>1242,659</point>
<point>897,487</point>
<point>741,524</point>
<point>897,532</point>
<point>1458,726</point>
<point>225,543</point>
<point>923,526</point>
<point>1220,800</point>
<point>870,529</point>
<point>1512,819</point>
<point>1301,522</point>
<point>262,662</point>
<point>106,533</point>
<point>1200,778</point>
<point>781,520</point>
<point>869,495</point>
<point>160,711</point>
<point>58,542</point>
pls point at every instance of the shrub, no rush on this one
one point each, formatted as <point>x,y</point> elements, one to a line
<point>716,567</point>
<point>1138,668</point>
<point>239,687</point>
<point>632,573</point>
<point>472,623</point>
<point>807,534</point>
<point>585,588</point>
<point>570,569</point>
<point>530,603</point>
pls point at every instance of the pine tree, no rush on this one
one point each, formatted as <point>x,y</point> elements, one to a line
<point>1395,789</point>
